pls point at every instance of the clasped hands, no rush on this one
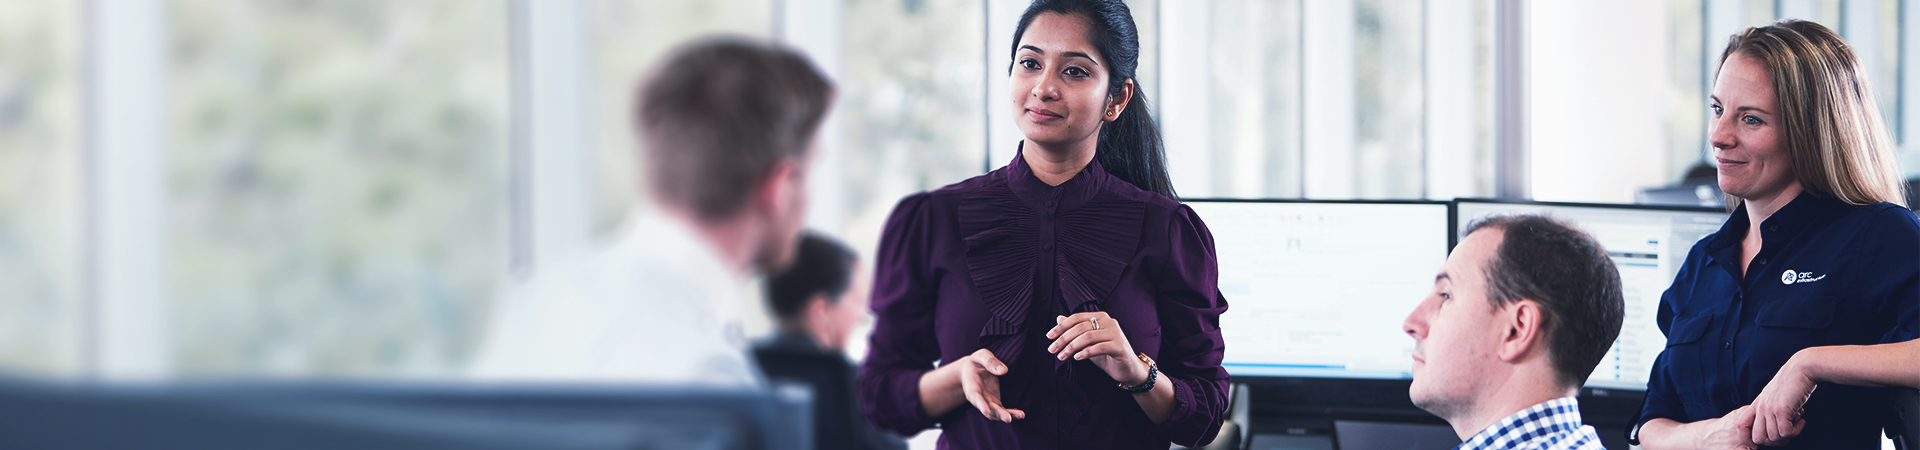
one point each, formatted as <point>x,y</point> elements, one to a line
<point>1773,418</point>
<point>1085,336</point>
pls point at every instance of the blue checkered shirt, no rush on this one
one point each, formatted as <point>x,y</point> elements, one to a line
<point>1551,425</point>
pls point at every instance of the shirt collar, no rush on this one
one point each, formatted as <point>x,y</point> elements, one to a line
<point>657,238</point>
<point>1039,196</point>
<point>794,340</point>
<point>1790,220</point>
<point>1549,418</point>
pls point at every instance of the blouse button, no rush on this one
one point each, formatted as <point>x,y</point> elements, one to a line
<point>1726,346</point>
<point>1762,261</point>
<point>1047,246</point>
<point>1774,227</point>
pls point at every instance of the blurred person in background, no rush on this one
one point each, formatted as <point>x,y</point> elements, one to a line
<point>1813,282</point>
<point>1068,299</point>
<point>818,305</point>
<point>727,128</point>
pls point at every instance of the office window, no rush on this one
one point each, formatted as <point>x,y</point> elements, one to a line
<point>1690,77</point>
<point>1754,13</point>
<point>1146,17</point>
<point>1389,99</point>
<point>629,37</point>
<point>40,201</point>
<point>1617,115</point>
<point>1826,12</point>
<point>1254,63</point>
<point>1338,100</point>
<point>1884,66</point>
<point>338,184</point>
<point>910,105</point>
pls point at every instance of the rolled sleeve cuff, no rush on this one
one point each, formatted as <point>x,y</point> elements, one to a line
<point>1901,333</point>
<point>1653,412</point>
<point>1653,408</point>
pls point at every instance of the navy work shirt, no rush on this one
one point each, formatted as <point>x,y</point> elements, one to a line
<point>1828,273</point>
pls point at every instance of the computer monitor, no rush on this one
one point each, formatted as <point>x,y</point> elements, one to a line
<point>1647,243</point>
<point>1320,288</point>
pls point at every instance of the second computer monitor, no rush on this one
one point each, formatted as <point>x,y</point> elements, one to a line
<point>1647,243</point>
<point>1319,289</point>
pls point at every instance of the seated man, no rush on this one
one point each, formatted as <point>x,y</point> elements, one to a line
<point>818,305</point>
<point>727,128</point>
<point>1520,314</point>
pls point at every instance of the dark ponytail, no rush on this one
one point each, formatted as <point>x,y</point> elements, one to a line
<point>1130,146</point>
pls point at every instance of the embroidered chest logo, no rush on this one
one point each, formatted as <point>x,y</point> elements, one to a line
<point>1791,277</point>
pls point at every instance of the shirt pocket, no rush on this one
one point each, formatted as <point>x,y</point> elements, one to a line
<point>1687,330</point>
<point>1688,359</point>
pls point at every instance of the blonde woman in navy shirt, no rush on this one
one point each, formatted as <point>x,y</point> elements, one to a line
<point>1781,326</point>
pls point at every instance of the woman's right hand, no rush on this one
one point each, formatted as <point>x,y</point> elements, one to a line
<point>980,382</point>
<point>1733,431</point>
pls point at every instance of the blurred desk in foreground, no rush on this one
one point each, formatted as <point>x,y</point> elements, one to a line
<point>361,415</point>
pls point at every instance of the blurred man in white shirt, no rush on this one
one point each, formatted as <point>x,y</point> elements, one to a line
<point>727,127</point>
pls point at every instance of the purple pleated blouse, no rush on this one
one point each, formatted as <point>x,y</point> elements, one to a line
<point>988,262</point>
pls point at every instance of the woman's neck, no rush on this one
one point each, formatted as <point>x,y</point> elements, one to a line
<point>1759,209</point>
<point>1056,165</point>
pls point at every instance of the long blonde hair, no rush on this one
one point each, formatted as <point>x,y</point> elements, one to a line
<point>1835,135</point>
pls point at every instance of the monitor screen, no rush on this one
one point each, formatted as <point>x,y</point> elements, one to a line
<point>1647,244</point>
<point>1319,289</point>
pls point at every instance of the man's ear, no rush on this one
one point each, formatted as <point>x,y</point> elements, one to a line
<point>818,312</point>
<point>778,187</point>
<point>1522,323</point>
<point>820,322</point>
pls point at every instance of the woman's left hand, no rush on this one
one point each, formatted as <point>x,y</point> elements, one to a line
<point>1096,336</point>
<point>1776,412</point>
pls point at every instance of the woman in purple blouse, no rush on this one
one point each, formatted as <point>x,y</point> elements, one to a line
<point>1066,298</point>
